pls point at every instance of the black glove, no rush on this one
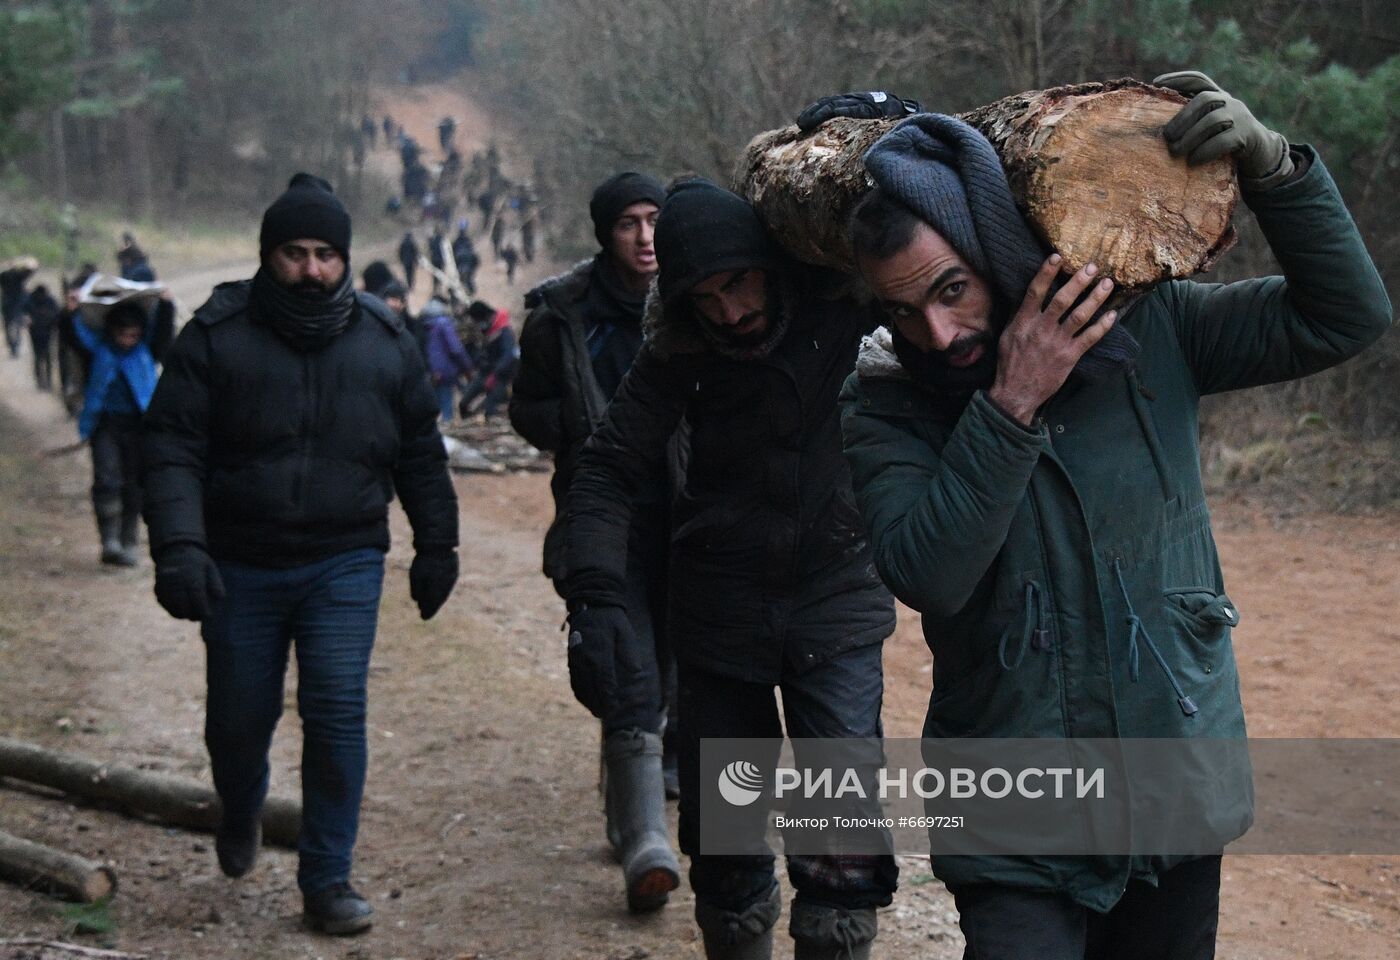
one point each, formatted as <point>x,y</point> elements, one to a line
<point>595,633</point>
<point>188,584</point>
<point>858,106</point>
<point>431,578</point>
<point>1215,123</point>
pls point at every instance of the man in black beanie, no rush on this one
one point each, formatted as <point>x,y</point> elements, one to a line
<point>582,333</point>
<point>772,583</point>
<point>289,412</point>
<point>1028,466</point>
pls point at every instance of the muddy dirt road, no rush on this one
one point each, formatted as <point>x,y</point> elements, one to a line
<point>481,835</point>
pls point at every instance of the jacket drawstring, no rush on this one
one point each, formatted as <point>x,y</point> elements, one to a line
<point>1136,630</point>
<point>1033,632</point>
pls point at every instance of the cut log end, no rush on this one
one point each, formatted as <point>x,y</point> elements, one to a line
<point>55,871</point>
<point>1104,189</point>
<point>101,883</point>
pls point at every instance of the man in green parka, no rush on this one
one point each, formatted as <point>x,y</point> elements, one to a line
<point>1028,469</point>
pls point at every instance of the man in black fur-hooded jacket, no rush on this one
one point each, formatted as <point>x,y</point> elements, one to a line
<point>582,334</point>
<point>772,583</point>
<point>290,412</point>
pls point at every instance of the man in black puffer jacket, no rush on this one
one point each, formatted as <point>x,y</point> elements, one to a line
<point>290,412</point>
<point>772,582</point>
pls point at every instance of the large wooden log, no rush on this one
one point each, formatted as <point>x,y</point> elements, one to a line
<point>1087,164</point>
<point>172,799</point>
<point>32,864</point>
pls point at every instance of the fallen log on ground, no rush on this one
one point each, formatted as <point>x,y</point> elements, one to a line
<point>45,948</point>
<point>176,800</point>
<point>68,875</point>
<point>1087,164</point>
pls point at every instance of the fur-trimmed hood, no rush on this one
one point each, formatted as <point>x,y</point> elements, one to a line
<point>572,284</point>
<point>669,334</point>
<point>877,360</point>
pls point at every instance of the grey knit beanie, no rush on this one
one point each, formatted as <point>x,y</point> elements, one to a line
<point>949,175</point>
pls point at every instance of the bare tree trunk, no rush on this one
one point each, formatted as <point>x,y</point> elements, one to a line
<point>172,799</point>
<point>59,148</point>
<point>31,864</point>
<point>1086,163</point>
<point>137,141</point>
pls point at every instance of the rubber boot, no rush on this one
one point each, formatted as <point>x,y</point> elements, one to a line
<point>742,935</point>
<point>634,793</point>
<point>611,827</point>
<point>670,762</point>
<point>109,521</point>
<point>830,933</point>
<point>131,538</point>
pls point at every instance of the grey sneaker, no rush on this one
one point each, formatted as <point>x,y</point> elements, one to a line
<point>338,910</point>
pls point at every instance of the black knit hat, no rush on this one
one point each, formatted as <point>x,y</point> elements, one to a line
<point>615,195</point>
<point>704,230</point>
<point>308,209</point>
<point>376,276</point>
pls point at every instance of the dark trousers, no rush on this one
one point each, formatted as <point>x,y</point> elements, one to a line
<point>1175,920</point>
<point>837,699</point>
<point>116,467</point>
<point>329,608</point>
<point>14,330</point>
<point>645,669</point>
<point>43,359</point>
<point>496,394</point>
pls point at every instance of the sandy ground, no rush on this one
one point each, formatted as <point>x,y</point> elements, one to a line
<point>481,835</point>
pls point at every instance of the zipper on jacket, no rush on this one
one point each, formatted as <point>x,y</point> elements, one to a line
<point>302,479</point>
<point>1136,630</point>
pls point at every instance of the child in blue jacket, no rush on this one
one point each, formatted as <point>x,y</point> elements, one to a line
<point>122,376</point>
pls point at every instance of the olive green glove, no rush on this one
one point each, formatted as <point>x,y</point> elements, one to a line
<point>1215,123</point>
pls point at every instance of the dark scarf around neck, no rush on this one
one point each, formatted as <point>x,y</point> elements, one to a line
<point>609,300</point>
<point>306,322</point>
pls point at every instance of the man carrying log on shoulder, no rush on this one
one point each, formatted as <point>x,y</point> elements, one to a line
<point>771,578</point>
<point>290,412</point>
<point>1028,471</point>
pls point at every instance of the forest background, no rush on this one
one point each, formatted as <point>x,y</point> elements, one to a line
<point>196,110</point>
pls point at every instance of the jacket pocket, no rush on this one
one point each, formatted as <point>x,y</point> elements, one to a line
<point>1207,611</point>
<point>1202,619</point>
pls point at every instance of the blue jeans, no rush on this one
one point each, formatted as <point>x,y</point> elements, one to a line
<point>446,396</point>
<point>330,609</point>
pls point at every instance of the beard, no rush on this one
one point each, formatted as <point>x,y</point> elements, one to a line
<point>729,335</point>
<point>932,368</point>
<point>312,289</point>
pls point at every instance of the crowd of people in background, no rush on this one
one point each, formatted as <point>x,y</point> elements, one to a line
<point>436,194</point>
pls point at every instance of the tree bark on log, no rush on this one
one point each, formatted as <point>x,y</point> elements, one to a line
<point>176,800</point>
<point>1086,163</point>
<point>30,864</point>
